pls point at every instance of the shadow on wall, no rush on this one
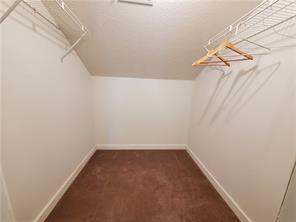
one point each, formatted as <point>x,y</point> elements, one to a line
<point>240,102</point>
<point>6,210</point>
<point>236,91</point>
<point>240,89</point>
<point>25,17</point>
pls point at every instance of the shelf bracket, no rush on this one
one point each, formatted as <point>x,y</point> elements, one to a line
<point>73,46</point>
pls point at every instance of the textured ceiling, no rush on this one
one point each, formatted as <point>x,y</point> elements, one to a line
<point>159,41</point>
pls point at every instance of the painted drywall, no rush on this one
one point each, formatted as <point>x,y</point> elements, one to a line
<point>288,213</point>
<point>141,111</point>
<point>47,126</point>
<point>243,126</point>
<point>6,213</point>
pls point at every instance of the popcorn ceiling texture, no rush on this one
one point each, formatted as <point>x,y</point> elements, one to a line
<point>159,41</point>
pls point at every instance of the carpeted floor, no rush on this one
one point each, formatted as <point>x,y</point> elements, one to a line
<point>141,186</point>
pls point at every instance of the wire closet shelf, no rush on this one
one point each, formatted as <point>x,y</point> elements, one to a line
<point>266,16</point>
<point>66,10</point>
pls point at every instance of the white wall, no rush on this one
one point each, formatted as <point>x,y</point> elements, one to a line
<point>141,111</point>
<point>6,213</point>
<point>243,127</point>
<point>47,116</point>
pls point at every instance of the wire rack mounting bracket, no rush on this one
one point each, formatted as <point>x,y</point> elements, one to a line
<point>66,10</point>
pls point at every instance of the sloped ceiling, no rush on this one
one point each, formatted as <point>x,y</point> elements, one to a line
<point>159,41</point>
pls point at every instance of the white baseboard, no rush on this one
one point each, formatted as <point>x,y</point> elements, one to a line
<point>141,146</point>
<point>220,189</point>
<point>58,195</point>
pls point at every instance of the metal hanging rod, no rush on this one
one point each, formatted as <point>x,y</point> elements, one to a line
<point>65,9</point>
<point>267,15</point>
<point>76,20</point>
<point>71,14</point>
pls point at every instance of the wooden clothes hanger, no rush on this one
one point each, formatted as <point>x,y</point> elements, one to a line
<point>222,61</point>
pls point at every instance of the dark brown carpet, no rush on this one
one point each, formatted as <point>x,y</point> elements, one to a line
<point>141,186</point>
